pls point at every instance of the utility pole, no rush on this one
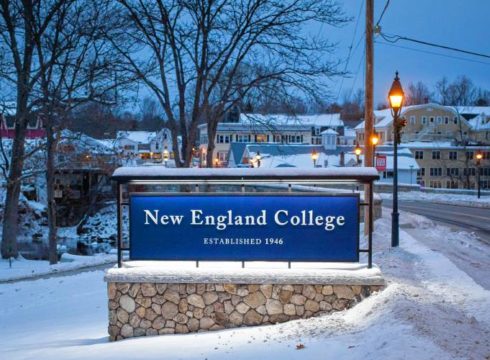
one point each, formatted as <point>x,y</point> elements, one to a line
<point>368,102</point>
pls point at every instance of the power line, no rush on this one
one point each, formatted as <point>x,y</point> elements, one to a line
<point>350,49</point>
<point>384,10</point>
<point>363,57</point>
<point>395,38</point>
<point>432,53</point>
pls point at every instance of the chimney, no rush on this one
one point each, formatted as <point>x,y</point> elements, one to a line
<point>342,159</point>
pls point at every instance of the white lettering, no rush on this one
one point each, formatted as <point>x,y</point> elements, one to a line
<point>152,218</point>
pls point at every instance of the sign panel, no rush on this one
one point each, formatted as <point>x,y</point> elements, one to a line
<point>381,162</point>
<point>242,227</point>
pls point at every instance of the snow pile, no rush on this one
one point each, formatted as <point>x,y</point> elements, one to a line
<point>441,198</point>
<point>21,268</point>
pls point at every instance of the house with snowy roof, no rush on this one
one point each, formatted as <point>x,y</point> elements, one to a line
<point>444,141</point>
<point>35,127</point>
<point>329,154</point>
<point>144,146</point>
<point>272,128</point>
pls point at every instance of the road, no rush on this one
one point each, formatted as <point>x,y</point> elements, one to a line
<point>467,218</point>
<point>467,245</point>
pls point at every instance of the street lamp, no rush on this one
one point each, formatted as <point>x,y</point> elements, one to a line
<point>411,169</point>
<point>478,156</point>
<point>216,162</point>
<point>396,97</point>
<point>374,142</point>
<point>314,157</point>
<point>165,155</point>
<point>358,152</point>
<point>257,158</point>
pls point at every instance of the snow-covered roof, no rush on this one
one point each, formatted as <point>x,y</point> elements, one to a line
<point>473,110</point>
<point>331,120</point>
<point>141,137</point>
<point>349,132</point>
<point>384,117</point>
<point>329,131</point>
<point>438,145</point>
<point>85,142</point>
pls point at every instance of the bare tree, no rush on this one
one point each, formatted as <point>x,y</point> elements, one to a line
<point>60,60</point>
<point>460,92</point>
<point>202,57</point>
<point>18,32</point>
<point>77,65</point>
<point>418,94</point>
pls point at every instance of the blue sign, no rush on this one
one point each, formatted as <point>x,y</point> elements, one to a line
<point>244,227</point>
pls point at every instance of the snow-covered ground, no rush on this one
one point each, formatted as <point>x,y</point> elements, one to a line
<point>22,268</point>
<point>430,310</point>
<point>441,198</point>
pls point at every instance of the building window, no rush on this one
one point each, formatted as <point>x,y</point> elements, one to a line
<point>412,120</point>
<point>469,155</point>
<point>223,139</point>
<point>431,119</point>
<point>419,154</point>
<point>455,119</point>
<point>243,138</point>
<point>469,172</point>
<point>439,120</point>
<point>435,184</point>
<point>424,120</point>
<point>452,172</point>
<point>222,156</point>
<point>446,119</point>
<point>435,171</point>
<point>436,155</point>
<point>421,172</point>
<point>453,155</point>
<point>128,147</point>
<point>261,138</point>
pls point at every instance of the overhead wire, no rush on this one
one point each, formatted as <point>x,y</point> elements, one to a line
<point>396,38</point>
<point>431,52</point>
<point>349,54</point>
<point>382,13</point>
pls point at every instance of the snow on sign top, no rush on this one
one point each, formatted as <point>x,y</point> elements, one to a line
<point>161,172</point>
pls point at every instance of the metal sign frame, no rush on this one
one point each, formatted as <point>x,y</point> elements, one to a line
<point>244,180</point>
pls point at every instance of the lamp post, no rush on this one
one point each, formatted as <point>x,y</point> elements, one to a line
<point>216,162</point>
<point>257,159</point>
<point>396,97</point>
<point>358,152</point>
<point>478,156</point>
<point>165,156</point>
<point>411,169</point>
<point>374,142</point>
<point>314,157</point>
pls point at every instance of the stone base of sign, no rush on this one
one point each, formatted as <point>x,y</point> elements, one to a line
<point>144,303</point>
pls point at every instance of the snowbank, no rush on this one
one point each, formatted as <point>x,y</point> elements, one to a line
<point>450,199</point>
<point>23,269</point>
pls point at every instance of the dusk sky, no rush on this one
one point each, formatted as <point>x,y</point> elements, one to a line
<point>455,23</point>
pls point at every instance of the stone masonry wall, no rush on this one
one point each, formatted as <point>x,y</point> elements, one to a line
<point>144,309</point>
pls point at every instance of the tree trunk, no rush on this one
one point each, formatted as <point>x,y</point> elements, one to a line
<point>10,215</point>
<point>52,233</point>
<point>211,145</point>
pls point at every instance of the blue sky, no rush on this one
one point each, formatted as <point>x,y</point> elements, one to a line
<point>456,23</point>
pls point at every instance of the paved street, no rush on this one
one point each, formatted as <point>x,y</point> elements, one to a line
<point>471,219</point>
